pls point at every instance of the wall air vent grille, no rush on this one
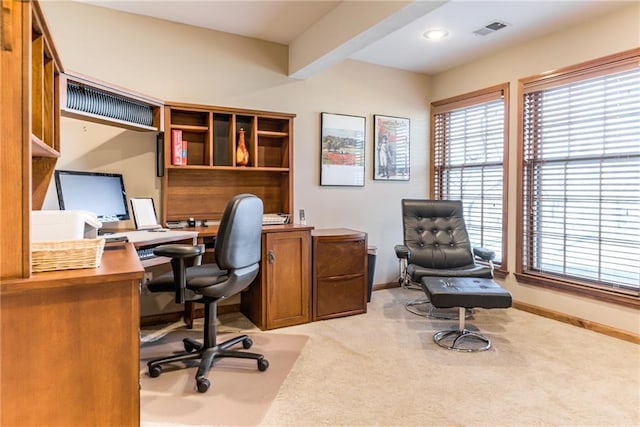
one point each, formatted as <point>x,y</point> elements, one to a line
<point>103,104</point>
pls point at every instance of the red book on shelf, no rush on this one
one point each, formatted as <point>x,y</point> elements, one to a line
<point>177,158</point>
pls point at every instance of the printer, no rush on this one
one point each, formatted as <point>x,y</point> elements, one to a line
<point>49,225</point>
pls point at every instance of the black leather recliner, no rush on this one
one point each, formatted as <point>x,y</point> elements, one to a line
<point>436,243</point>
<point>237,255</point>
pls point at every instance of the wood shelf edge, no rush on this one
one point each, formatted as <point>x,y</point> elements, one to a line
<point>272,133</point>
<point>67,112</point>
<point>228,110</point>
<point>192,128</point>
<point>228,168</point>
<point>40,149</point>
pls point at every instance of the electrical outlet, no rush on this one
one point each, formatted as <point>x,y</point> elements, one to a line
<point>143,288</point>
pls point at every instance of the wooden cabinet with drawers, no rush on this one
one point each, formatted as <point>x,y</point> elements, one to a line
<point>339,272</point>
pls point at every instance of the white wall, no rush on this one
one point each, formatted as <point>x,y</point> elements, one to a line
<point>180,63</point>
<point>176,62</point>
<point>616,32</point>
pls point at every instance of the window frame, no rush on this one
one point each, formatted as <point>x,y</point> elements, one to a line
<point>594,68</point>
<point>468,100</point>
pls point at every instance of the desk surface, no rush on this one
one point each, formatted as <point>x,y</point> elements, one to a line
<point>146,237</point>
<point>116,265</point>
<point>212,230</point>
<point>338,232</point>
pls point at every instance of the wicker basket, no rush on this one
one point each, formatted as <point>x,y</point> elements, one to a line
<point>66,254</point>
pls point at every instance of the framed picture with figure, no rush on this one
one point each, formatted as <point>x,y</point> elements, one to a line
<point>391,142</point>
<point>342,150</point>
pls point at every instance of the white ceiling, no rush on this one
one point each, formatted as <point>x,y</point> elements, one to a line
<point>389,33</point>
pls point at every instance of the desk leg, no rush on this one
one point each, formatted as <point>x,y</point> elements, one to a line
<point>189,313</point>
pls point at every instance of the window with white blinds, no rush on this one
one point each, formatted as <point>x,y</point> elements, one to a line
<point>469,135</point>
<point>581,175</point>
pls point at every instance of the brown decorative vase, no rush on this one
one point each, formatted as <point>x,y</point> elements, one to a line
<point>242,154</point>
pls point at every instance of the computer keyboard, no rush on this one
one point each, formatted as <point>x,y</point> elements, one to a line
<point>145,253</point>
<point>175,224</point>
<point>274,219</point>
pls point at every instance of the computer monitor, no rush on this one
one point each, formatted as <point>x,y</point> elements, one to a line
<point>97,192</point>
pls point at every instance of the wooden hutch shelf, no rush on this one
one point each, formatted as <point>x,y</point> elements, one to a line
<point>210,136</point>
<point>40,149</point>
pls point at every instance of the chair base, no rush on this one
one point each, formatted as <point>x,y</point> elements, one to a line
<point>208,356</point>
<point>208,351</point>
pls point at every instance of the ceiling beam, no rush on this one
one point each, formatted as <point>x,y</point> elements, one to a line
<point>348,28</point>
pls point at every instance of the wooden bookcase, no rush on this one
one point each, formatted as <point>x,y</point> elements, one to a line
<point>42,311</point>
<point>201,188</point>
<point>30,69</point>
<point>45,107</point>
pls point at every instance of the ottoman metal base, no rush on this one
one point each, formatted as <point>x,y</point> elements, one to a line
<point>455,339</point>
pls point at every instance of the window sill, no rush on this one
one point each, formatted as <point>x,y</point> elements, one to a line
<point>499,273</point>
<point>583,289</point>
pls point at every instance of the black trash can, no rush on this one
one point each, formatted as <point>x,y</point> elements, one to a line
<point>371,269</point>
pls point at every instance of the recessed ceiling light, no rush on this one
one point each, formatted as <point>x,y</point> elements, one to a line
<point>435,34</point>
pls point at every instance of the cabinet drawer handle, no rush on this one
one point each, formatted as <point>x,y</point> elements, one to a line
<point>342,277</point>
<point>271,257</point>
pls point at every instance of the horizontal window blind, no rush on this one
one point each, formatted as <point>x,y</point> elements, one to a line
<point>469,139</point>
<point>581,178</point>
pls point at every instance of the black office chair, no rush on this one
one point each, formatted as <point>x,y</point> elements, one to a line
<point>436,243</point>
<point>237,255</point>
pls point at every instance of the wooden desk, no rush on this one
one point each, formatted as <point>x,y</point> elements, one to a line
<point>281,294</point>
<point>144,239</point>
<point>70,345</point>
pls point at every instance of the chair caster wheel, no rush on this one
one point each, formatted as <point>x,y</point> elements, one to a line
<point>247,343</point>
<point>188,347</point>
<point>203,385</point>
<point>263,364</point>
<point>154,371</point>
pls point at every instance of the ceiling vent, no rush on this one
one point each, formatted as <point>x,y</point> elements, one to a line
<point>490,28</point>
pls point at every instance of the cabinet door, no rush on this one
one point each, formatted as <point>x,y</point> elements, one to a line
<point>288,278</point>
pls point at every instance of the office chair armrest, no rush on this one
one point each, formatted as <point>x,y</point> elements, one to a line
<point>178,251</point>
<point>484,253</point>
<point>178,254</point>
<point>402,251</point>
<point>198,259</point>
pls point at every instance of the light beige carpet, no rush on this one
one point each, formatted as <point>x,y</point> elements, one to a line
<point>239,395</point>
<point>382,368</point>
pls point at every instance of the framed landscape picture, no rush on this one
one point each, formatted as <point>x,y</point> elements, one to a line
<point>391,148</point>
<point>342,143</point>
